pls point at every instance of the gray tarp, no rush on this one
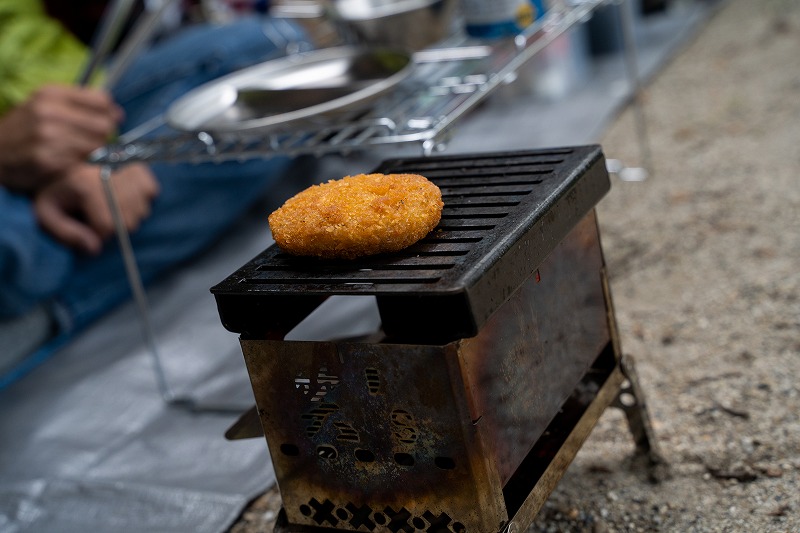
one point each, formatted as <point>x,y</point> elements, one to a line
<point>86,442</point>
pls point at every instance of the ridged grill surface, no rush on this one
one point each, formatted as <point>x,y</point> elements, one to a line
<point>495,203</point>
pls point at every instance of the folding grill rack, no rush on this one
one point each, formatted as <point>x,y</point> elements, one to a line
<point>422,110</point>
<point>497,355</point>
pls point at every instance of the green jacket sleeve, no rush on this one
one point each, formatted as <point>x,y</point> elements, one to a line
<point>34,50</point>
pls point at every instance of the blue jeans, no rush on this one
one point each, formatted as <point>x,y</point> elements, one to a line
<point>197,203</point>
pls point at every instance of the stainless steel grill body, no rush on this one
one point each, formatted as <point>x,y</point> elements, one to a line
<point>388,436</point>
<point>497,355</point>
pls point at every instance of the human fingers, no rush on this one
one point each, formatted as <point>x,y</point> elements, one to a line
<point>87,99</point>
<point>46,135</point>
<point>92,201</point>
<point>71,122</point>
<point>76,209</point>
<point>135,187</point>
<point>53,208</point>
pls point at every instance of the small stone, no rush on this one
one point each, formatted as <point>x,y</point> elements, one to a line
<point>781,510</point>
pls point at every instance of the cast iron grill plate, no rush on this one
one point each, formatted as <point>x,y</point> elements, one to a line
<point>503,214</point>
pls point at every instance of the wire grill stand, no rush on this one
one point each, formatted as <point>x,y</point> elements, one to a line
<point>422,110</point>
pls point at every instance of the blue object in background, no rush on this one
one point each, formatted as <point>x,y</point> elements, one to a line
<point>503,18</point>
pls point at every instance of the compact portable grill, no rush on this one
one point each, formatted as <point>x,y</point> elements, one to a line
<point>497,354</point>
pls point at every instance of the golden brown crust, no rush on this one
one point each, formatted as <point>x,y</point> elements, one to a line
<point>358,215</point>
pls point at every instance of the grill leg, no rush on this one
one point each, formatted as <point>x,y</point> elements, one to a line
<point>630,400</point>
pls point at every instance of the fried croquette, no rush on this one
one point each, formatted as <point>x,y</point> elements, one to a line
<point>357,216</point>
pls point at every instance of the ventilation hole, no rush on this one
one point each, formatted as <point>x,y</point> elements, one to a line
<point>317,416</point>
<point>404,459</point>
<point>361,516</point>
<point>342,514</point>
<point>403,426</point>
<point>438,524</point>
<point>305,510</point>
<point>365,456</point>
<point>346,432</point>
<point>398,520</point>
<point>290,449</point>
<point>445,463</point>
<point>380,519</point>
<point>373,380</point>
<point>402,417</point>
<point>312,429</point>
<point>323,512</point>
<point>458,527</point>
<point>327,452</point>
<point>419,523</point>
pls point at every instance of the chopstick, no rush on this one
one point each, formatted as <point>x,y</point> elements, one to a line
<point>111,25</point>
<point>135,41</point>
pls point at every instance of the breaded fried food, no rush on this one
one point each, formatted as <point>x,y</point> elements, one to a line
<point>357,216</point>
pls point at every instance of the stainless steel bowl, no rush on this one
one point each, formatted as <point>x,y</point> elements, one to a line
<point>287,93</point>
<point>408,24</point>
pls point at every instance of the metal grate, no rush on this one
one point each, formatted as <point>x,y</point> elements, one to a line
<point>421,111</point>
<point>503,214</point>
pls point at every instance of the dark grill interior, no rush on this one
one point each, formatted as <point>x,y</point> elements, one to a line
<point>503,213</point>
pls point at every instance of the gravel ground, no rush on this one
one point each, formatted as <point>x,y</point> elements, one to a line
<point>704,258</point>
<point>705,265</point>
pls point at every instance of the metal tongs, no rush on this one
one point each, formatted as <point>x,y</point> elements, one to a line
<point>115,18</point>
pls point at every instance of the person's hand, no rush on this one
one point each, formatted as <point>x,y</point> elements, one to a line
<point>55,129</point>
<point>75,209</point>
